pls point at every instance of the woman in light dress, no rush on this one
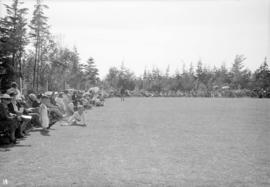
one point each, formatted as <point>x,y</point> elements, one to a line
<point>68,105</point>
<point>44,118</point>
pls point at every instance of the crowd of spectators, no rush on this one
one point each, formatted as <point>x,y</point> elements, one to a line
<point>20,114</point>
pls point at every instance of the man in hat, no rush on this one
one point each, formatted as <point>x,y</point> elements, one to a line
<point>15,108</point>
<point>7,120</point>
<point>14,89</point>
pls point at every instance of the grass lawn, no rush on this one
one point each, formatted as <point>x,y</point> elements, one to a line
<point>150,142</point>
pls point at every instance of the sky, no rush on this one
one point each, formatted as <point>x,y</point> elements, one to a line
<point>160,33</point>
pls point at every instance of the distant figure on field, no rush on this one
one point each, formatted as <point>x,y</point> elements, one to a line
<point>122,93</point>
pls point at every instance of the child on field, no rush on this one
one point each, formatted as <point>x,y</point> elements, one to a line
<point>78,117</point>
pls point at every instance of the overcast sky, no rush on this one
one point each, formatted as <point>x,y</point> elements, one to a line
<point>146,34</point>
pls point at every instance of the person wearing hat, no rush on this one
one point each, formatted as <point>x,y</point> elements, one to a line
<point>16,109</point>
<point>14,88</point>
<point>78,117</point>
<point>7,120</point>
<point>53,109</point>
<point>34,101</point>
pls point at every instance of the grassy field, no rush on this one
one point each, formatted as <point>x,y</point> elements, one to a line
<point>150,142</point>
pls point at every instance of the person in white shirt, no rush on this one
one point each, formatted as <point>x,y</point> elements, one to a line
<point>78,117</point>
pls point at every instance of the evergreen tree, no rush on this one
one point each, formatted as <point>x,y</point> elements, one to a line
<point>262,76</point>
<point>13,39</point>
<point>39,33</point>
<point>91,72</point>
<point>237,71</point>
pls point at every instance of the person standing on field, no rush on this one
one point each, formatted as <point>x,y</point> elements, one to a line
<point>122,93</point>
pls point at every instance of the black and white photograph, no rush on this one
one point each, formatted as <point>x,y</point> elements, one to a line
<point>135,93</point>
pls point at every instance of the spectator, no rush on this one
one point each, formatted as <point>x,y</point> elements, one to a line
<point>34,112</point>
<point>53,109</point>
<point>8,121</point>
<point>16,109</point>
<point>44,118</point>
<point>78,117</point>
<point>69,107</point>
<point>35,101</point>
<point>75,100</point>
<point>14,89</point>
<point>60,103</point>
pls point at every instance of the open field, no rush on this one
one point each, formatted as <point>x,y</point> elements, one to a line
<point>150,142</point>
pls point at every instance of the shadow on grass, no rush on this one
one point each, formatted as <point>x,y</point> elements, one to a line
<point>7,147</point>
<point>77,125</point>
<point>52,129</point>
<point>42,131</point>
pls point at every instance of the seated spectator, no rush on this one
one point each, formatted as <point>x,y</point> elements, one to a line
<point>75,99</point>
<point>35,101</point>
<point>59,102</point>
<point>86,103</point>
<point>7,121</point>
<point>69,106</point>
<point>98,100</point>
<point>78,117</point>
<point>53,109</point>
<point>70,109</point>
<point>34,112</point>
<point>23,120</point>
<point>52,98</point>
<point>14,89</point>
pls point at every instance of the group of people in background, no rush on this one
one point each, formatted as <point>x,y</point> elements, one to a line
<point>19,113</point>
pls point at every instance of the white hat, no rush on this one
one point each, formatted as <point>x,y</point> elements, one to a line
<point>80,106</point>
<point>5,96</point>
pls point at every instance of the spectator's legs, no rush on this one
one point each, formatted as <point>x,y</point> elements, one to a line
<point>56,112</point>
<point>35,119</point>
<point>11,125</point>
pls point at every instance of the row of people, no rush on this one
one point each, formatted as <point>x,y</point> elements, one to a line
<point>19,114</point>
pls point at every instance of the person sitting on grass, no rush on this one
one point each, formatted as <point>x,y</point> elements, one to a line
<point>100,100</point>
<point>85,103</point>
<point>7,121</point>
<point>78,117</point>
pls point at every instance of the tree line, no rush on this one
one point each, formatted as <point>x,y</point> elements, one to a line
<point>197,80</point>
<point>31,55</point>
